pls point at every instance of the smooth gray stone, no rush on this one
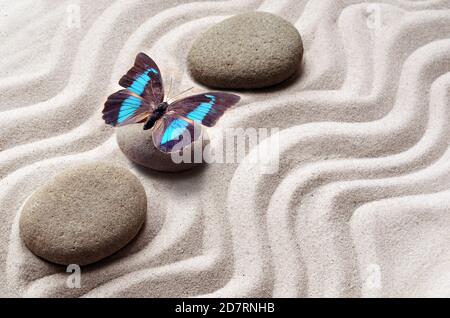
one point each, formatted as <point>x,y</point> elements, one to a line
<point>250,50</point>
<point>84,214</point>
<point>137,145</point>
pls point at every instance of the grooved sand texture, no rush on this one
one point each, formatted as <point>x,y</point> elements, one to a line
<point>359,207</point>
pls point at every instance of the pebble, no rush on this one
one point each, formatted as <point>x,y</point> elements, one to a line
<point>246,51</point>
<point>137,145</point>
<point>83,214</point>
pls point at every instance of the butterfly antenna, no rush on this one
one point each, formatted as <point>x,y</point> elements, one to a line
<point>183,92</point>
<point>170,89</point>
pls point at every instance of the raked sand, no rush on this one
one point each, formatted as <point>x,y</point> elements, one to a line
<point>360,204</point>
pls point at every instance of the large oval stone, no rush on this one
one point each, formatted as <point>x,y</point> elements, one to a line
<point>83,214</point>
<point>250,50</point>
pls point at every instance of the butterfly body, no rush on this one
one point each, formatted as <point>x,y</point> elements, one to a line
<point>142,101</point>
<point>156,115</point>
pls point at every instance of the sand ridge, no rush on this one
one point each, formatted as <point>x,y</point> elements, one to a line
<point>364,175</point>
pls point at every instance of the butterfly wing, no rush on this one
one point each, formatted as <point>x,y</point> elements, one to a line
<point>173,133</point>
<point>124,107</point>
<point>144,79</point>
<point>180,126</point>
<point>206,108</point>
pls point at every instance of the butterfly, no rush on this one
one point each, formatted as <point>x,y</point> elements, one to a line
<point>173,124</point>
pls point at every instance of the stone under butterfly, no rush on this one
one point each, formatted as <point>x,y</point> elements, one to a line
<point>172,123</point>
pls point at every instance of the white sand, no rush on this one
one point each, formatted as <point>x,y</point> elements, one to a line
<point>360,206</point>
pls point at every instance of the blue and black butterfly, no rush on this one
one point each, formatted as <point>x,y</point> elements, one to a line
<point>143,102</point>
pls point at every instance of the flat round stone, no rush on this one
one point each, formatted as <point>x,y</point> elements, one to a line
<point>250,50</point>
<point>83,214</point>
